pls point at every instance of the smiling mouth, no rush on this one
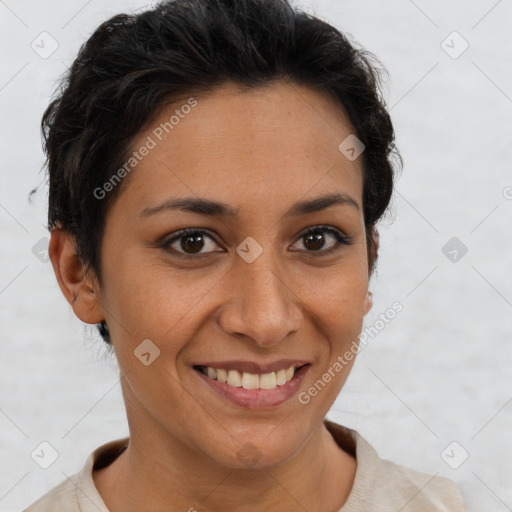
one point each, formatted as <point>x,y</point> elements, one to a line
<point>246,380</point>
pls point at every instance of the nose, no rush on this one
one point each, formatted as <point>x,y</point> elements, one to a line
<point>262,305</point>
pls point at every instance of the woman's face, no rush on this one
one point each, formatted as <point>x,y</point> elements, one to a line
<point>247,290</point>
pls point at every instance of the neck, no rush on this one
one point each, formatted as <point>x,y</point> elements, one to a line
<point>155,476</point>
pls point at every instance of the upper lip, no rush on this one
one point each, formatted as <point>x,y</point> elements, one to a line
<point>253,367</point>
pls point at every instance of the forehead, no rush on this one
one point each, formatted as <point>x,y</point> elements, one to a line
<point>270,142</point>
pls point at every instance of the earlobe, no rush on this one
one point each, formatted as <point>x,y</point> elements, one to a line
<point>77,288</point>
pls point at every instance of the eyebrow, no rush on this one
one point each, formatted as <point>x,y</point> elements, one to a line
<point>211,208</point>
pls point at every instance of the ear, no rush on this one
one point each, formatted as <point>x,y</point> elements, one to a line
<point>373,251</point>
<point>80,291</point>
<point>368,303</point>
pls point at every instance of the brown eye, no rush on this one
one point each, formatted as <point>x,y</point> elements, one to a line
<point>314,240</point>
<point>317,238</point>
<point>190,242</point>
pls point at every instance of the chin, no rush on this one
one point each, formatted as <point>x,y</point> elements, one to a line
<point>257,450</point>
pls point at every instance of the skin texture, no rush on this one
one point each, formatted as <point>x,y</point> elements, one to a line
<point>260,151</point>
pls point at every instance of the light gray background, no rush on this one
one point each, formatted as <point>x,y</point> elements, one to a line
<point>438,373</point>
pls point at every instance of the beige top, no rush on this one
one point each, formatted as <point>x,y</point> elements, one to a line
<point>379,485</point>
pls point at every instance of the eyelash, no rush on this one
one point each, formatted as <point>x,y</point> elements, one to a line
<point>341,238</point>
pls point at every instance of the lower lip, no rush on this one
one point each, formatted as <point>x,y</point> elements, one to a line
<point>256,398</point>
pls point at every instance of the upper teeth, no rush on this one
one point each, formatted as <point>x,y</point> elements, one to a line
<point>247,380</point>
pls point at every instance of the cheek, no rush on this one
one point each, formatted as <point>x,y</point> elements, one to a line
<point>148,299</point>
<point>339,302</point>
<point>152,300</point>
<point>342,320</point>
<point>339,295</point>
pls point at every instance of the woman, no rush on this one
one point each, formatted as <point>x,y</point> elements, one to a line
<point>217,169</point>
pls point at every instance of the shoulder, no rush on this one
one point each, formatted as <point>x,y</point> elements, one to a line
<point>78,492</point>
<point>382,485</point>
<point>419,491</point>
<point>62,497</point>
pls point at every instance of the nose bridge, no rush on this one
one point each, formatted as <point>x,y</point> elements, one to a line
<point>262,306</point>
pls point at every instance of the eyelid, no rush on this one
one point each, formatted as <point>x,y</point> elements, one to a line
<point>324,227</point>
<point>182,233</point>
<point>340,236</point>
